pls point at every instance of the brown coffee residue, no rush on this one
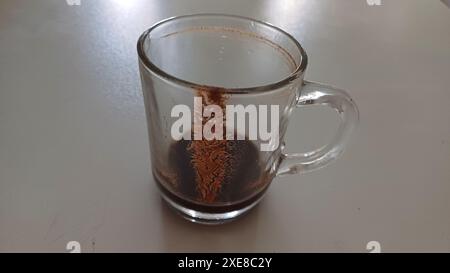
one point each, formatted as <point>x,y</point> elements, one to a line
<point>216,29</point>
<point>211,159</point>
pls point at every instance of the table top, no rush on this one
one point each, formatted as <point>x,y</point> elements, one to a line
<point>74,157</point>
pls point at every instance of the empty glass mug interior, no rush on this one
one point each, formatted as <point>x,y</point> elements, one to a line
<point>221,60</point>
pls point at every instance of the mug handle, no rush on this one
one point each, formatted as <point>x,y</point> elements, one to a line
<point>312,93</point>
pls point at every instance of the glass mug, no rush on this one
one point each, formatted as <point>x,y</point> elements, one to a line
<point>227,60</point>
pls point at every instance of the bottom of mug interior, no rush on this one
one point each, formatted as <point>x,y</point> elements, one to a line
<point>207,218</point>
<point>208,214</point>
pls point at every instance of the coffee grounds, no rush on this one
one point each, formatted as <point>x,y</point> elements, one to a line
<point>215,172</point>
<point>235,180</point>
<point>211,159</point>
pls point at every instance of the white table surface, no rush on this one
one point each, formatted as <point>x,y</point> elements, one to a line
<point>74,159</point>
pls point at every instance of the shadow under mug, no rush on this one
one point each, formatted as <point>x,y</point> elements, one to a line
<point>227,60</point>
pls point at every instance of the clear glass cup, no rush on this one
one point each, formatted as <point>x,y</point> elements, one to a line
<point>227,60</point>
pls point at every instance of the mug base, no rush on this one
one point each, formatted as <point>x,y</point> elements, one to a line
<point>208,218</point>
<point>208,215</point>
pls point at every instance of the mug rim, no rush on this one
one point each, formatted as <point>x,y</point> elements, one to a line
<point>145,60</point>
